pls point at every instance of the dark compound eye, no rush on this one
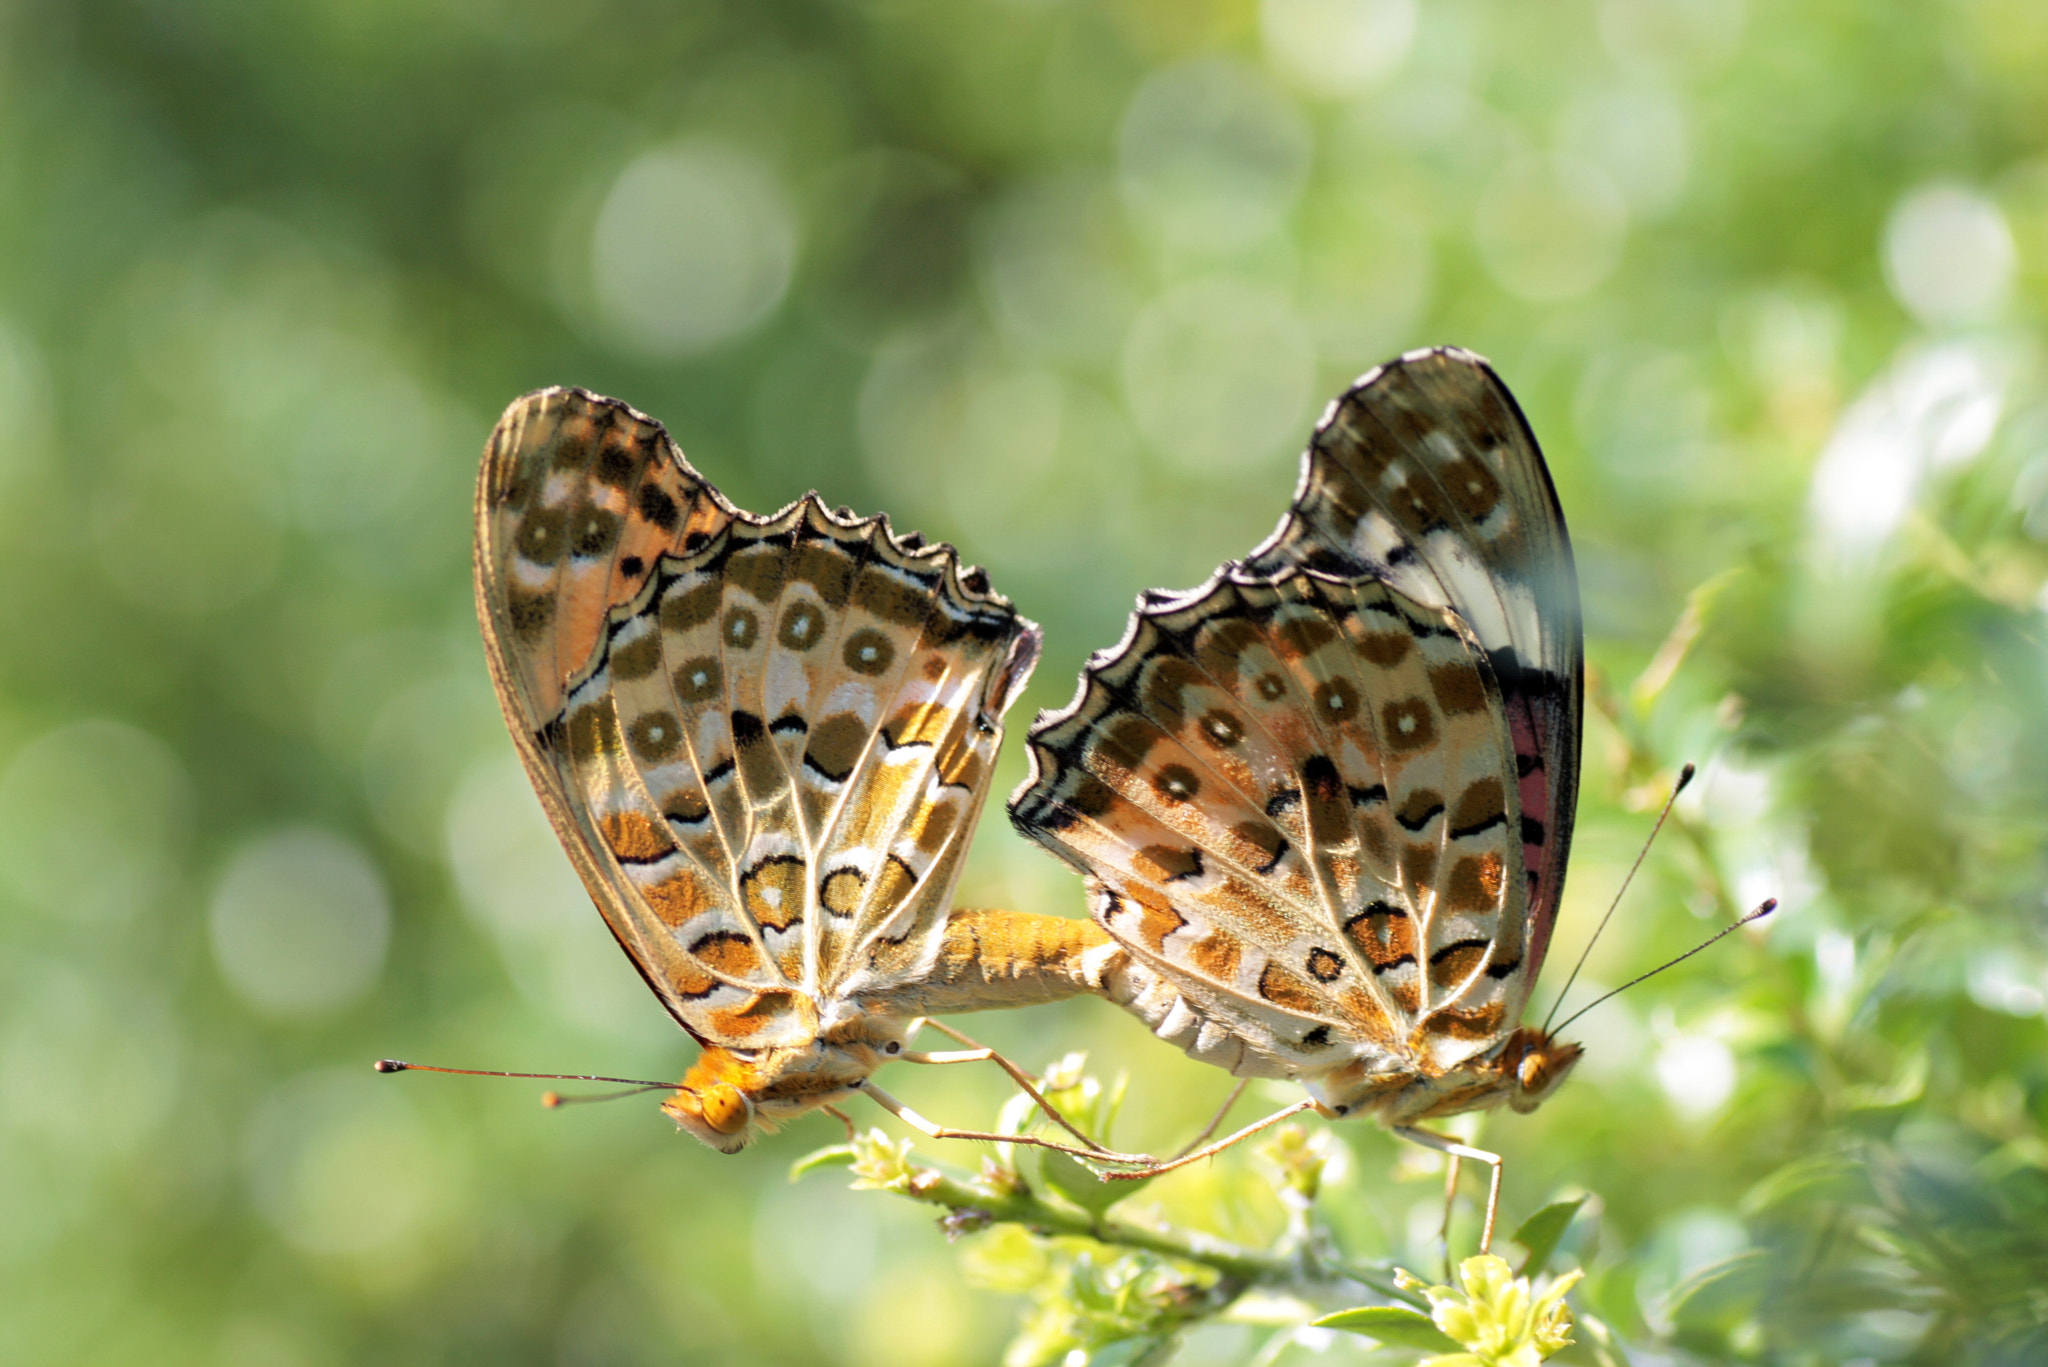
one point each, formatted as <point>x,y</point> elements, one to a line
<point>892,1047</point>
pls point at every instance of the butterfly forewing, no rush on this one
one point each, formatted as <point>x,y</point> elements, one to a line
<point>1425,475</point>
<point>578,497</point>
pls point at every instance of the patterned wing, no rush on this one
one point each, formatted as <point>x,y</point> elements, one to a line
<point>769,761</point>
<point>1292,797</point>
<point>579,496</point>
<point>1425,476</point>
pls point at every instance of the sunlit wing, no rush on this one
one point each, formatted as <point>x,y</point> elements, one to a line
<point>1323,802</point>
<point>1291,797</point>
<point>763,740</point>
<point>1425,476</point>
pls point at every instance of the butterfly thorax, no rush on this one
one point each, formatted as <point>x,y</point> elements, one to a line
<point>1520,1073</point>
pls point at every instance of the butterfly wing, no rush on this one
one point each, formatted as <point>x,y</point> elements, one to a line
<point>1291,797</point>
<point>1425,475</point>
<point>768,761</point>
<point>578,497</point>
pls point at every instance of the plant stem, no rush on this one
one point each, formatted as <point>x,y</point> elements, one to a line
<point>1025,1207</point>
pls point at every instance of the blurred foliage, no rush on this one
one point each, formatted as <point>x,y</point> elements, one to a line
<point>1064,283</point>
<point>1127,1287</point>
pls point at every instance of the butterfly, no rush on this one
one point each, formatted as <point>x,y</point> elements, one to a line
<point>1323,802</point>
<point>764,742</point>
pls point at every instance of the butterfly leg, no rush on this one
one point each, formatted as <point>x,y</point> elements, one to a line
<point>1183,1159</point>
<point>1444,1144</point>
<point>936,1131</point>
<point>844,1119</point>
<point>977,1052</point>
<point>1216,1120</point>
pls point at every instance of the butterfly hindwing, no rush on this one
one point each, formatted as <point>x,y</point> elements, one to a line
<point>1289,795</point>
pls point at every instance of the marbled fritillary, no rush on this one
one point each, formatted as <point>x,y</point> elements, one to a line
<point>1323,802</point>
<point>764,743</point>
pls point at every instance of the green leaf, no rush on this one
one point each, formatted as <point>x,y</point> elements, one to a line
<point>1393,1324</point>
<point>1722,1293</point>
<point>1541,1232</point>
<point>1073,1180</point>
<point>832,1156</point>
<point>1812,1181</point>
<point>1144,1350</point>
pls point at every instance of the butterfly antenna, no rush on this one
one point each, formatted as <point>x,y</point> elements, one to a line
<point>1770,905</point>
<point>1684,777</point>
<point>634,1086</point>
<point>551,1100</point>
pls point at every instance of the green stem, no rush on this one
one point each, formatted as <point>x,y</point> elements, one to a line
<point>1025,1207</point>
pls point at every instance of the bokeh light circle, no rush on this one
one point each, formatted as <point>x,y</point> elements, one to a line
<point>1550,229</point>
<point>93,817</point>
<point>1218,372</point>
<point>299,922</point>
<point>1949,256</point>
<point>694,245</point>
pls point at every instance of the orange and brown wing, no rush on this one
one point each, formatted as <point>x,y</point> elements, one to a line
<point>578,497</point>
<point>1425,476</point>
<point>1293,798</point>
<point>763,741</point>
<point>806,713</point>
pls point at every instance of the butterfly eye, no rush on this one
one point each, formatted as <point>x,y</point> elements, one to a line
<point>725,1110</point>
<point>892,1047</point>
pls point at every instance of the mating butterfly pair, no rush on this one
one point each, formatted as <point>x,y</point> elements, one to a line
<point>1322,803</point>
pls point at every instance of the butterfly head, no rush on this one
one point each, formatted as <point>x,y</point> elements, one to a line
<point>731,1097</point>
<point>715,1100</point>
<point>1534,1064</point>
<point>1520,1074</point>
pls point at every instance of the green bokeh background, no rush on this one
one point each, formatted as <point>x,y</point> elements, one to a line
<point>1066,284</point>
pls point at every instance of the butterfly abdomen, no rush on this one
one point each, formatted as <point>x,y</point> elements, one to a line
<point>1012,958</point>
